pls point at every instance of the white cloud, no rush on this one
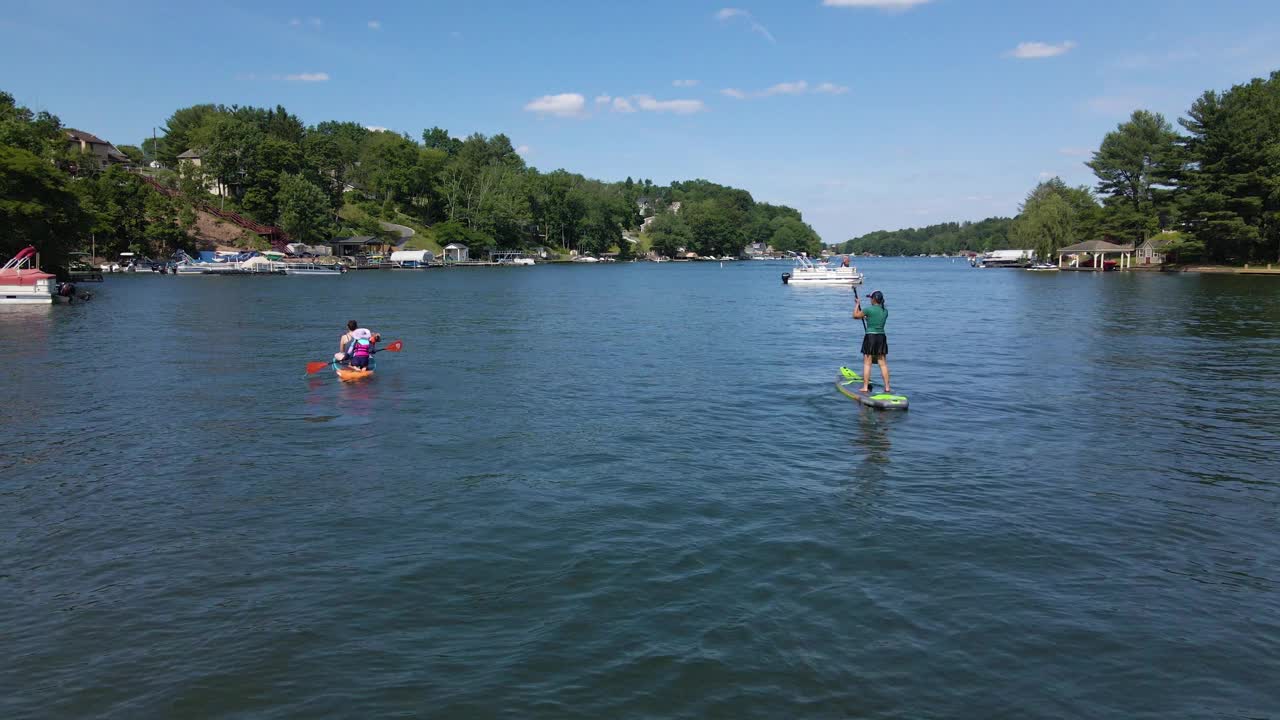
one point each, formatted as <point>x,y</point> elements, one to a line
<point>623,105</point>
<point>308,77</point>
<point>877,4</point>
<point>684,83</point>
<point>376,128</point>
<point>799,87</point>
<point>1039,50</point>
<point>1075,152</point>
<point>375,25</point>
<point>603,99</point>
<point>727,14</point>
<point>522,150</point>
<point>785,88</point>
<point>680,107</point>
<point>562,105</point>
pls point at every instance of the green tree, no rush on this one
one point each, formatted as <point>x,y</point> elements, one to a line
<point>116,201</point>
<point>229,148</point>
<point>134,153</point>
<point>716,227</point>
<point>38,133</point>
<point>163,231</point>
<point>386,165</point>
<point>1233,182</point>
<point>178,131</point>
<point>1136,167</point>
<point>669,234</point>
<point>1055,216</point>
<point>304,209</point>
<point>438,138</point>
<point>37,207</point>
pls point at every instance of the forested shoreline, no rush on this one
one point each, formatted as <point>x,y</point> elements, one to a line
<point>334,178</point>
<point>1210,191</point>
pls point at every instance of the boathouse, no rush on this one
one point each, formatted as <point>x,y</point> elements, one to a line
<point>456,252</point>
<point>1097,251</point>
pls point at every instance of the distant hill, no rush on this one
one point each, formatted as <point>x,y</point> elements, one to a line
<point>989,234</point>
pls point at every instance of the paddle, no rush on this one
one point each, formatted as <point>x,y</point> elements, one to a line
<point>315,367</point>
<point>858,303</point>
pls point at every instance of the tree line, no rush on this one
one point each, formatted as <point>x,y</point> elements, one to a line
<point>948,238</point>
<point>333,178</point>
<point>1212,188</point>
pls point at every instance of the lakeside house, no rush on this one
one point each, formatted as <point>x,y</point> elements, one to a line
<point>353,245</point>
<point>88,143</point>
<point>190,159</point>
<point>1152,251</point>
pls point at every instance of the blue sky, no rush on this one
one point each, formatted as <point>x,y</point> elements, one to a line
<point>864,114</point>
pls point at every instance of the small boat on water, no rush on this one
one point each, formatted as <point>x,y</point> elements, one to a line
<point>296,268</point>
<point>1044,267</point>
<point>1004,259</point>
<point>807,272</point>
<point>23,283</point>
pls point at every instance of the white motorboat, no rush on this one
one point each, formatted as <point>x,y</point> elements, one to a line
<point>807,272</point>
<point>586,259</point>
<point>23,283</point>
<point>1005,258</point>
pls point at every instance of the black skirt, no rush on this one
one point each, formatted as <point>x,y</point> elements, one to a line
<point>875,344</point>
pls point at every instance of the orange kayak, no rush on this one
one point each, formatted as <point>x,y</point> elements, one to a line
<point>350,374</point>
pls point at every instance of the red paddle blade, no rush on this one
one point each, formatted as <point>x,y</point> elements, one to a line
<point>395,346</point>
<point>316,367</point>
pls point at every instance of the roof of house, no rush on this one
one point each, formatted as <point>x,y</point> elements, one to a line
<point>190,154</point>
<point>353,240</point>
<point>80,135</point>
<point>1095,246</point>
<point>1157,242</point>
<point>455,246</point>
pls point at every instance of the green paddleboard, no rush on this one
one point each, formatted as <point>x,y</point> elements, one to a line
<point>849,383</point>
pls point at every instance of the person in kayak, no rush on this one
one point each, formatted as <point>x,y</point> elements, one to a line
<point>875,345</point>
<point>355,339</point>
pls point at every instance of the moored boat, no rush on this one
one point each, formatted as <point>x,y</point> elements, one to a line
<point>313,269</point>
<point>23,283</point>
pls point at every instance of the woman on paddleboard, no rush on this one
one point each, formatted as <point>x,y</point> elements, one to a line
<point>875,345</point>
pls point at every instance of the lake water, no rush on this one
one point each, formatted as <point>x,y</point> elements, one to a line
<point>631,491</point>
